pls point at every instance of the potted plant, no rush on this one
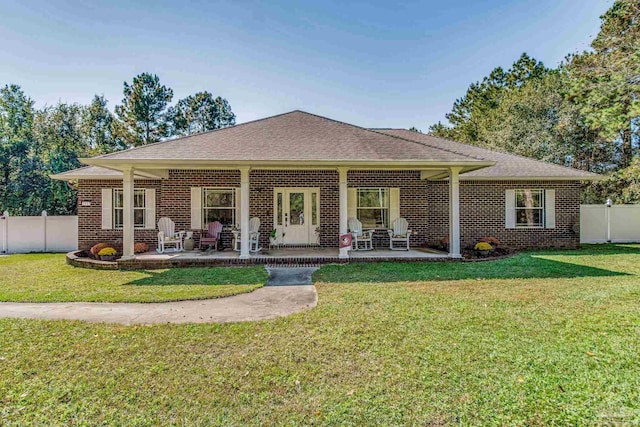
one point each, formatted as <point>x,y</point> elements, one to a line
<point>273,237</point>
<point>107,254</point>
<point>483,248</point>
<point>445,243</point>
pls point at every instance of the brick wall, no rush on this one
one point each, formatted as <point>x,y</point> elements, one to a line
<point>413,198</point>
<point>423,203</point>
<point>482,213</point>
<point>90,229</point>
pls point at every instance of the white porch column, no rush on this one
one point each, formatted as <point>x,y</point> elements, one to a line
<point>244,213</point>
<point>344,213</point>
<point>127,213</point>
<point>454,213</point>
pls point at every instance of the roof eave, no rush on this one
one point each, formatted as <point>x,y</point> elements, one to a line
<point>122,164</point>
<point>533,178</point>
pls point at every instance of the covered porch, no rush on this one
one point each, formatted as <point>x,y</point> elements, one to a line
<point>259,194</point>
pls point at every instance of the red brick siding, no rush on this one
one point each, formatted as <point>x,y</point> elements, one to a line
<point>413,197</point>
<point>482,213</point>
<point>423,203</point>
<point>90,229</point>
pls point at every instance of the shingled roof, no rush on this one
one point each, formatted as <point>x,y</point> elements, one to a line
<point>294,136</point>
<point>507,165</point>
<point>303,139</point>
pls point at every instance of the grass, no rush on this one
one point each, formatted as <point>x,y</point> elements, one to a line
<point>46,278</point>
<point>557,349</point>
<point>589,261</point>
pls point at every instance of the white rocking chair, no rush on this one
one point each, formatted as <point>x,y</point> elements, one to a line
<point>254,236</point>
<point>360,235</point>
<point>167,235</point>
<point>399,233</point>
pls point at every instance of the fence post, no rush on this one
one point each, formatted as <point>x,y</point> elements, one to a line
<point>608,211</point>
<point>44,228</point>
<point>5,234</point>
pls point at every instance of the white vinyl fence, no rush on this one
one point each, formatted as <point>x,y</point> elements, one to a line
<point>617,223</point>
<point>21,234</point>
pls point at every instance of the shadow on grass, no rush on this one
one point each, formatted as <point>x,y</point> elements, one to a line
<point>522,266</point>
<point>203,276</point>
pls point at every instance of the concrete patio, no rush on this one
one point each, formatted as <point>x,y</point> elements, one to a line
<point>284,253</point>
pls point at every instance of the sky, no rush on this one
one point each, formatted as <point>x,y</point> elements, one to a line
<point>373,64</point>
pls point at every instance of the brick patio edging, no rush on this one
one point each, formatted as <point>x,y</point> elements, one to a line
<point>136,264</point>
<point>82,262</point>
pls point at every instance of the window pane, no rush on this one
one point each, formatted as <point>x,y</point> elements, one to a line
<point>214,198</point>
<point>117,198</point>
<point>279,207</point>
<point>373,218</point>
<point>373,197</point>
<point>296,208</point>
<point>529,217</point>
<point>138,217</point>
<point>314,208</point>
<point>224,216</point>
<point>528,198</point>
<point>138,198</point>
<point>118,218</point>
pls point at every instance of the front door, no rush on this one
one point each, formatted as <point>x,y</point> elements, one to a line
<point>296,215</point>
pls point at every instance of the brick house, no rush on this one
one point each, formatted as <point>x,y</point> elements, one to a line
<point>304,175</point>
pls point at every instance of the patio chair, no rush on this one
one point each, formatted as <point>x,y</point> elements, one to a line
<point>399,234</point>
<point>167,235</point>
<point>212,237</point>
<point>254,236</point>
<point>360,235</point>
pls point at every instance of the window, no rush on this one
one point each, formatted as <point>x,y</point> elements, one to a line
<point>138,208</point>
<point>373,207</point>
<point>529,206</point>
<point>219,204</point>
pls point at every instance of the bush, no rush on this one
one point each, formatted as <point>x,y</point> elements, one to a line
<point>482,246</point>
<point>140,247</point>
<point>107,252</point>
<point>95,249</point>
<point>493,241</point>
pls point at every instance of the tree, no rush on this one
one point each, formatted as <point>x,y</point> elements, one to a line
<point>16,146</point>
<point>60,140</point>
<point>469,113</point>
<point>143,113</point>
<point>98,128</point>
<point>200,113</point>
<point>606,81</point>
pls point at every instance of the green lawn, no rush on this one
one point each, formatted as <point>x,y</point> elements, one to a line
<point>562,348</point>
<point>46,277</point>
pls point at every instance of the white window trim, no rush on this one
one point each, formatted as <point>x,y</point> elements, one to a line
<point>387,208</point>
<point>233,208</point>
<point>541,208</point>
<point>143,209</point>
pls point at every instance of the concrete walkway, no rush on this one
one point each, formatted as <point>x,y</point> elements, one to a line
<point>279,298</point>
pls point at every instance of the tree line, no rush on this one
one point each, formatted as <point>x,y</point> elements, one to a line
<point>35,143</point>
<point>585,113</point>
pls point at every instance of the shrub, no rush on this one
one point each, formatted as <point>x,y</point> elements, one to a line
<point>95,249</point>
<point>482,246</point>
<point>493,241</point>
<point>107,252</point>
<point>140,247</point>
